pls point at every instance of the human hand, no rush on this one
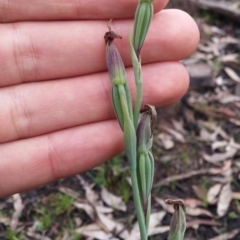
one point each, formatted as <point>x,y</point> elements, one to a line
<point>55,106</point>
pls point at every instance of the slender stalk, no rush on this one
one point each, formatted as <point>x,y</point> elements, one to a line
<point>137,106</point>
<point>128,130</point>
<point>130,145</point>
<point>138,82</point>
<point>138,205</point>
<point>148,212</point>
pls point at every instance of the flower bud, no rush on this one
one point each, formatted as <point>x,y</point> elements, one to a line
<point>117,74</point>
<point>145,128</point>
<point>178,221</point>
<point>145,161</point>
<point>143,17</point>
<point>115,64</point>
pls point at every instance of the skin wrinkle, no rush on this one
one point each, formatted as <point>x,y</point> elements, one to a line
<point>27,117</point>
<point>19,114</point>
<point>35,56</point>
<point>51,155</point>
<point>14,111</point>
<point>66,60</point>
<point>15,50</point>
<point>86,99</point>
<point>26,54</point>
<point>69,9</point>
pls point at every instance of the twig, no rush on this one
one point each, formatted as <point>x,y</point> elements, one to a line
<point>167,180</point>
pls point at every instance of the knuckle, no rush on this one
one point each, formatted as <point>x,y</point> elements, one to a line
<point>25,53</point>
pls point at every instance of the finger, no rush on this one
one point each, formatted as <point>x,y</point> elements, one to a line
<point>25,10</point>
<point>32,162</point>
<point>33,109</point>
<point>42,51</point>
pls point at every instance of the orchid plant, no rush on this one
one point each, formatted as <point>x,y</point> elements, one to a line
<point>137,124</point>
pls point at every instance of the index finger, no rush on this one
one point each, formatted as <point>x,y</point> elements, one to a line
<point>41,10</point>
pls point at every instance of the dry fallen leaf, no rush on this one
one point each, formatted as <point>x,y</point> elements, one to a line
<point>91,196</point>
<point>156,219</point>
<point>32,232</point>
<point>226,166</point>
<point>218,144</point>
<point>92,209</point>
<point>200,192</point>
<point>237,104</point>
<point>113,201</point>
<point>165,206</point>
<point>158,230</point>
<point>197,212</point>
<point>229,57</point>
<point>222,133</point>
<point>236,195</point>
<point>166,141</point>
<point>177,135</point>
<point>235,121</point>
<point>66,235</point>
<point>87,208</point>
<point>154,226</point>
<point>37,236</point>
<point>206,136</point>
<point>229,98</point>
<point>179,126</point>
<point>219,157</point>
<point>18,207</point>
<point>226,236</point>
<point>167,180</point>
<point>94,231</point>
<point>211,137</point>
<point>225,198</point>
<point>213,192</point>
<point>232,74</point>
<point>233,144</point>
<point>192,202</point>
<point>226,111</point>
<point>197,222</point>
<point>108,224</point>
<point>70,192</point>
<point>189,211</point>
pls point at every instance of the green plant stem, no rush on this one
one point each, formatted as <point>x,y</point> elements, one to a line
<point>136,62</point>
<point>138,205</point>
<point>137,106</point>
<point>130,147</point>
<point>148,212</point>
